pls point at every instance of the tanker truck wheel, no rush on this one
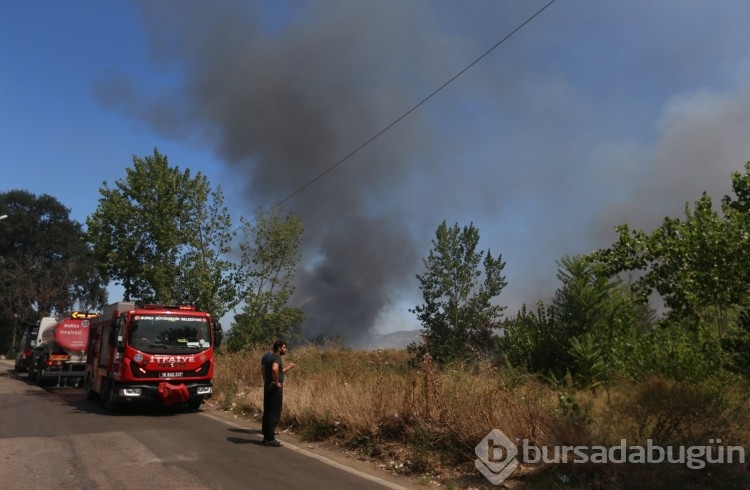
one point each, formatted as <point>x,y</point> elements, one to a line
<point>40,380</point>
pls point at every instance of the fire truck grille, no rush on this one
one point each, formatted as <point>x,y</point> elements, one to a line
<point>139,372</point>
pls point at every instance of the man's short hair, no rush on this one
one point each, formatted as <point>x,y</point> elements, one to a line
<point>278,344</point>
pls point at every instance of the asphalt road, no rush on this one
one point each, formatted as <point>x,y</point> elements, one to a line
<point>54,438</point>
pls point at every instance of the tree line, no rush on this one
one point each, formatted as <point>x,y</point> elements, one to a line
<point>672,302</point>
<point>166,237</point>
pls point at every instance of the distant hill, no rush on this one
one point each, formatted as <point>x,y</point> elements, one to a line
<point>394,340</point>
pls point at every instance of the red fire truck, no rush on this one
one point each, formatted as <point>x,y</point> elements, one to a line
<point>156,353</point>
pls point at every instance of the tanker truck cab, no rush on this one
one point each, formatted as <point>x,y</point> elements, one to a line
<point>36,345</point>
<point>28,342</point>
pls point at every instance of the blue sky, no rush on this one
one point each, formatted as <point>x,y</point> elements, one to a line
<point>594,114</point>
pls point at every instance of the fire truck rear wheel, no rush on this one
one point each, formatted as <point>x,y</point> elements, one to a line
<point>87,388</point>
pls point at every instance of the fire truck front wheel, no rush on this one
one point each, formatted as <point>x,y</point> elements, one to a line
<point>111,401</point>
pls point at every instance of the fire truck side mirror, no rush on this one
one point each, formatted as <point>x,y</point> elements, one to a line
<point>115,332</point>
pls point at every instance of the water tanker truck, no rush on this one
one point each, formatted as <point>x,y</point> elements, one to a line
<point>60,355</point>
<point>31,338</point>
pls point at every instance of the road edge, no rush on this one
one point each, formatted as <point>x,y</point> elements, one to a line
<point>224,418</point>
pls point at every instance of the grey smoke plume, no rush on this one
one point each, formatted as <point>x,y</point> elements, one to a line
<point>282,103</point>
<point>588,118</point>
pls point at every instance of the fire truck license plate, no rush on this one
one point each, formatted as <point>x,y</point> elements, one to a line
<point>170,375</point>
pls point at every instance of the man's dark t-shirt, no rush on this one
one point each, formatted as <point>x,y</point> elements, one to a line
<point>268,359</point>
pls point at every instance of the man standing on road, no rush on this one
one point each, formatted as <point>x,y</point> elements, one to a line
<point>273,390</point>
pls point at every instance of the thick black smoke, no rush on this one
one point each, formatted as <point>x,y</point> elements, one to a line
<point>585,119</point>
<point>283,96</point>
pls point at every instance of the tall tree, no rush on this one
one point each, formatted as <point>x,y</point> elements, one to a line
<point>165,235</point>
<point>592,314</point>
<point>697,265</point>
<point>741,190</point>
<point>583,329</point>
<point>460,283</point>
<point>47,267</point>
<point>270,255</point>
<point>737,212</point>
<point>206,272</point>
<point>700,268</point>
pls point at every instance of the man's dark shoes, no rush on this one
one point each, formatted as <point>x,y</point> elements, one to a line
<point>274,443</point>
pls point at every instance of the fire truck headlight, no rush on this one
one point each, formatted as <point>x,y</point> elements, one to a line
<point>203,390</point>
<point>130,392</point>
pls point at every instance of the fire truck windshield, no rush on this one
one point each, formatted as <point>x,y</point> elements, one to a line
<point>157,333</point>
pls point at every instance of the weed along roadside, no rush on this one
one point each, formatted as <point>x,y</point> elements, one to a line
<point>425,423</point>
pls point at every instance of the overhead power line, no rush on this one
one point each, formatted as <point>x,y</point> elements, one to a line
<point>405,114</point>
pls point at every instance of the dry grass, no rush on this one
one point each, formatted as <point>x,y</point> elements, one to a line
<point>430,420</point>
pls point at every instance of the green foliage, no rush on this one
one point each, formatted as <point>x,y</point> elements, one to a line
<point>672,350</point>
<point>598,328</point>
<point>583,332</point>
<point>208,276</point>
<point>741,190</point>
<point>694,264</point>
<point>163,235</point>
<point>458,316</point>
<point>248,328</point>
<point>45,264</point>
<point>737,345</point>
<point>528,340</point>
<point>568,405</point>
<point>270,254</point>
<point>596,331</point>
<point>700,266</point>
<point>589,360</point>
